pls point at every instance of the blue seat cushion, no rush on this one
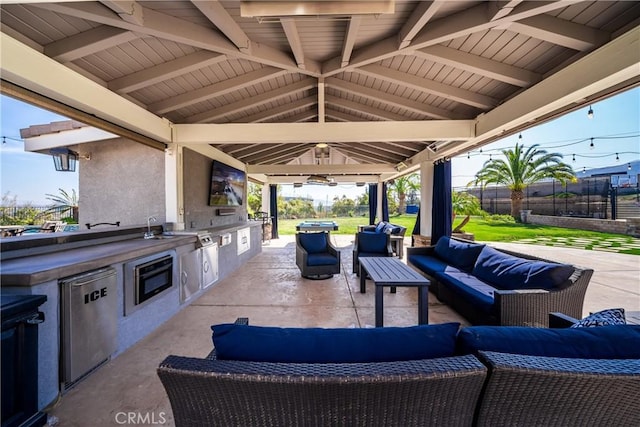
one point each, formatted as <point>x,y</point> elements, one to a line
<point>339,345</point>
<point>468,288</point>
<point>371,254</point>
<point>510,272</point>
<point>459,254</point>
<point>313,243</point>
<point>429,264</point>
<point>603,342</point>
<point>372,243</point>
<point>321,259</point>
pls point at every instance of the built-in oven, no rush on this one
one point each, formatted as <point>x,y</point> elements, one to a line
<point>147,277</point>
<point>153,277</point>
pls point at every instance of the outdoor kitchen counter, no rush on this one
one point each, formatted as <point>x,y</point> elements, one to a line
<point>30,270</point>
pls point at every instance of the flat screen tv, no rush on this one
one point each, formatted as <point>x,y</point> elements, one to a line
<point>227,185</point>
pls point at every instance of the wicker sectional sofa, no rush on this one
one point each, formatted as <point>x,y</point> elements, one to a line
<point>490,286</point>
<point>427,375</point>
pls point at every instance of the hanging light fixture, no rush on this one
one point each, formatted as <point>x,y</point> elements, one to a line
<point>520,136</point>
<point>617,157</point>
<point>629,166</point>
<point>64,159</point>
<point>574,158</point>
<point>468,154</point>
<point>590,112</point>
<point>592,145</point>
<point>318,179</point>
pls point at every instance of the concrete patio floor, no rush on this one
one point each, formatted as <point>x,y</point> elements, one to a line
<point>270,291</point>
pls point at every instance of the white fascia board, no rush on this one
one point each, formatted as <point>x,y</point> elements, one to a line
<point>321,169</point>
<point>612,64</point>
<point>214,153</point>
<point>257,133</point>
<point>26,67</point>
<point>66,138</point>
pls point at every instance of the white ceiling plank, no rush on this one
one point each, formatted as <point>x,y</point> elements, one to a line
<point>423,13</point>
<point>479,65</point>
<point>441,30</point>
<point>87,43</point>
<point>615,63</point>
<point>389,99</point>
<point>129,11</point>
<point>178,30</point>
<point>561,32</point>
<point>282,109</point>
<point>291,31</point>
<point>216,89</point>
<point>265,97</point>
<point>268,133</point>
<point>418,83</point>
<point>28,68</point>
<point>218,15</point>
<point>351,34</point>
<point>300,117</point>
<point>165,71</point>
<point>365,109</point>
<point>343,117</point>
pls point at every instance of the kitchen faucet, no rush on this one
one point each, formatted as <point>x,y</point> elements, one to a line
<point>149,234</point>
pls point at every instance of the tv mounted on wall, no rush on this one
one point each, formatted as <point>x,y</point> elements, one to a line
<point>227,185</point>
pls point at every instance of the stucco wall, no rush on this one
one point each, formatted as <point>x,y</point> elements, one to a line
<point>123,181</point>
<point>197,212</point>
<point>622,226</point>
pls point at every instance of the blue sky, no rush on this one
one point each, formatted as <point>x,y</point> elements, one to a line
<point>615,128</point>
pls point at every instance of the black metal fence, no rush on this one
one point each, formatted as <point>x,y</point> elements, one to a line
<point>587,198</point>
<point>26,215</point>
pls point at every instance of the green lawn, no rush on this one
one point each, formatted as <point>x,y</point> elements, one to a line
<point>499,232</point>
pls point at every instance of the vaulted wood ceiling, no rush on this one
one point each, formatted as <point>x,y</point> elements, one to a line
<point>432,69</point>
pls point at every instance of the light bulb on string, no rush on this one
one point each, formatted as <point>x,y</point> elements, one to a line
<point>590,112</point>
<point>468,154</point>
<point>520,136</point>
<point>584,169</point>
<point>617,158</point>
<point>629,166</point>
<point>490,157</point>
<point>574,158</point>
<point>591,146</point>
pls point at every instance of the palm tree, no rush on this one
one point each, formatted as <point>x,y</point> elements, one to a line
<point>523,167</point>
<point>65,203</point>
<point>464,204</point>
<point>403,186</point>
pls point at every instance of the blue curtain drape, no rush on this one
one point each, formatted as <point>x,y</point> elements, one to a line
<point>373,203</point>
<point>273,207</point>
<point>385,203</point>
<point>441,207</point>
<point>416,226</point>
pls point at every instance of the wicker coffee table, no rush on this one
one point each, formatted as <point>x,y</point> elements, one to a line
<point>391,272</point>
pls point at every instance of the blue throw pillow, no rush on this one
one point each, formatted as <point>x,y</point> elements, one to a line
<point>314,243</point>
<point>372,243</point>
<point>510,272</point>
<point>606,342</point>
<point>380,227</point>
<point>461,255</point>
<point>609,317</point>
<point>339,345</point>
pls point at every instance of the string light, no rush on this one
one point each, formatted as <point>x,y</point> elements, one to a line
<point>574,158</point>
<point>617,158</point>
<point>628,166</point>
<point>468,154</point>
<point>591,146</point>
<point>520,136</point>
<point>590,112</point>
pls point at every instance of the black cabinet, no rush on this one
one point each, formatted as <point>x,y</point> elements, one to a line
<point>20,319</point>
